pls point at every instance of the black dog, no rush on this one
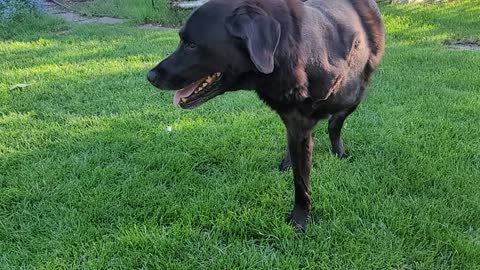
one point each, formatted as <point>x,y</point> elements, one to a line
<point>307,60</point>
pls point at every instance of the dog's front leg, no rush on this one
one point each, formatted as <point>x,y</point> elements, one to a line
<point>300,145</point>
<point>286,162</point>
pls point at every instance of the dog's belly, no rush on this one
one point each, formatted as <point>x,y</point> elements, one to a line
<point>349,94</point>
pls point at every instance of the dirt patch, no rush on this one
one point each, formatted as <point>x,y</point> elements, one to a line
<point>69,15</point>
<point>58,9</point>
<point>463,44</point>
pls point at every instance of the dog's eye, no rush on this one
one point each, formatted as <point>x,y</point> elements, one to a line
<point>190,45</point>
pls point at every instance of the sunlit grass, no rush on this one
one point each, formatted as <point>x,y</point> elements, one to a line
<point>90,177</point>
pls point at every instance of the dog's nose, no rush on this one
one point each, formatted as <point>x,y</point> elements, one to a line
<point>152,76</point>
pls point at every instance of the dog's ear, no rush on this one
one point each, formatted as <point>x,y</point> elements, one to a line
<point>260,33</point>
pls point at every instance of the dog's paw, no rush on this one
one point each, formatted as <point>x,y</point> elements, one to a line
<point>342,154</point>
<point>298,219</point>
<point>285,165</point>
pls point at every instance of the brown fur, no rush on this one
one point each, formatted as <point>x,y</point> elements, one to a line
<point>372,23</point>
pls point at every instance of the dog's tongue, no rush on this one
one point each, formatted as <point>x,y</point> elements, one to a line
<point>185,92</point>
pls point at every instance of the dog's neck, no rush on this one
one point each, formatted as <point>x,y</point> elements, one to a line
<point>289,76</point>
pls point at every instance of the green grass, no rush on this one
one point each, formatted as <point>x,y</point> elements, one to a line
<point>140,11</point>
<point>90,179</point>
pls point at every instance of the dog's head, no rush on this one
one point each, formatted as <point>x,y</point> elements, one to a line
<point>220,44</point>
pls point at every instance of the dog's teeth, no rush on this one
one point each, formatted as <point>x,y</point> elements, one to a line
<point>209,79</point>
<point>183,99</point>
<point>200,88</point>
<point>204,84</point>
<point>218,74</point>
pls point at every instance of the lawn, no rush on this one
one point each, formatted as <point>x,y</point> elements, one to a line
<point>91,179</point>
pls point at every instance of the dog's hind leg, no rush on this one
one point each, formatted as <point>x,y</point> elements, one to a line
<point>335,124</point>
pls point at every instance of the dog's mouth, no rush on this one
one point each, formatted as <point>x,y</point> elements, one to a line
<point>199,91</point>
